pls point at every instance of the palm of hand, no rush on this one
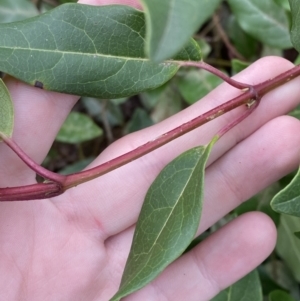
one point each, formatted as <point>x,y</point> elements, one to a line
<point>49,255</point>
<point>74,247</point>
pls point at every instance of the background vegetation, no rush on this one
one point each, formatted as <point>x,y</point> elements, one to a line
<point>237,33</point>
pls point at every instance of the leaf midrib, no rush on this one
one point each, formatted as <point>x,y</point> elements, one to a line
<point>173,208</point>
<point>290,201</point>
<point>83,54</point>
<point>163,227</point>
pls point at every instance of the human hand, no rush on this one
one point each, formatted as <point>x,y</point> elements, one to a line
<point>74,247</point>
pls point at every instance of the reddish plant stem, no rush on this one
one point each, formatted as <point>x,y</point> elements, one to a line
<point>43,172</point>
<point>45,190</point>
<point>231,125</point>
<point>254,93</point>
<point>220,74</point>
<point>279,80</point>
<point>87,175</point>
<point>30,192</point>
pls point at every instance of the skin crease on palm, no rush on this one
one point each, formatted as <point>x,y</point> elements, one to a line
<point>74,247</point>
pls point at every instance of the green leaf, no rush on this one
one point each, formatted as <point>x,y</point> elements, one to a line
<point>279,278</point>
<point>170,24</point>
<point>297,234</point>
<point>119,101</point>
<point>195,84</point>
<point>270,51</point>
<point>238,66</point>
<point>243,42</point>
<point>246,289</point>
<point>204,46</point>
<point>164,101</point>
<point>16,10</point>
<point>168,220</point>
<point>280,296</point>
<point>296,112</point>
<point>169,103</point>
<point>104,110</point>
<point>264,20</point>
<point>295,31</point>
<point>267,282</point>
<point>284,4</point>
<point>46,6</point>
<point>6,111</point>
<point>288,245</point>
<point>76,167</point>
<point>78,128</point>
<point>93,106</point>
<point>85,50</point>
<point>261,202</point>
<point>139,120</point>
<point>297,60</point>
<point>288,199</point>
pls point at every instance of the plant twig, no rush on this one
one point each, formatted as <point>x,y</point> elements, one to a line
<point>30,192</point>
<point>43,172</point>
<point>45,190</point>
<point>252,104</point>
<point>225,39</point>
<point>217,72</point>
<point>255,92</point>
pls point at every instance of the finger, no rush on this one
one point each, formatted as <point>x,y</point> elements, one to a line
<point>277,102</point>
<point>38,116</point>
<point>122,191</point>
<point>134,3</point>
<point>216,263</point>
<point>255,163</point>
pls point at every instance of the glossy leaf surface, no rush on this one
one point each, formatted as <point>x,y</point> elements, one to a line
<point>246,289</point>
<point>288,200</point>
<point>85,50</point>
<point>168,220</point>
<point>171,23</point>
<point>6,111</point>
<point>78,128</point>
<point>288,245</point>
<point>264,20</point>
<point>295,31</point>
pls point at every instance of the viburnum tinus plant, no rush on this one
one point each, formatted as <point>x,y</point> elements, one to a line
<point>117,51</point>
